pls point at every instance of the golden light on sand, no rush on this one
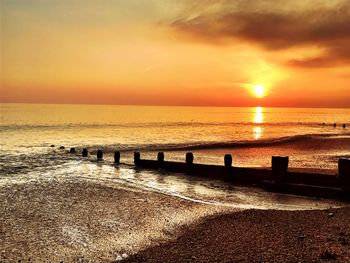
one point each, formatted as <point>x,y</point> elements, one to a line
<point>259,91</point>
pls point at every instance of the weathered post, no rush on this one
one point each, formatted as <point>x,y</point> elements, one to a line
<point>189,163</point>
<point>85,152</point>
<point>344,174</point>
<point>99,154</point>
<point>72,150</point>
<point>189,158</point>
<point>137,158</point>
<point>228,160</point>
<point>279,168</point>
<point>117,157</point>
<point>160,157</point>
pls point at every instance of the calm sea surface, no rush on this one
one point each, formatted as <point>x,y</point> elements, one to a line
<point>30,128</point>
<point>251,135</point>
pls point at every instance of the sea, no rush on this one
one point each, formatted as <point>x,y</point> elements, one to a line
<point>56,205</point>
<point>251,135</point>
<point>31,136</point>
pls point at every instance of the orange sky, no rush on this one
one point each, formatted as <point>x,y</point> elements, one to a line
<point>167,52</point>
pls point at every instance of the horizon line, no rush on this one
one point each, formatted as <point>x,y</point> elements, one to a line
<point>175,105</point>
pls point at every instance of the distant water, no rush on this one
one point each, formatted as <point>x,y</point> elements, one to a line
<point>251,135</point>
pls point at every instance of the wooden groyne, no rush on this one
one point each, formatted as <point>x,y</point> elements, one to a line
<point>277,178</point>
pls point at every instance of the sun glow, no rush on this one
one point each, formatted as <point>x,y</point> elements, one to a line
<point>259,91</point>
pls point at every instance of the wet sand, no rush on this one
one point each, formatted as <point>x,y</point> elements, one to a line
<point>80,218</point>
<point>260,236</point>
<point>76,220</point>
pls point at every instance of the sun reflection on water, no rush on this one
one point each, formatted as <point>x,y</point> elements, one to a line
<point>257,132</point>
<point>258,119</point>
<point>258,116</point>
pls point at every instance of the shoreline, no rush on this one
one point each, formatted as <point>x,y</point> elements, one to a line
<point>93,215</point>
<point>259,236</point>
<point>79,220</point>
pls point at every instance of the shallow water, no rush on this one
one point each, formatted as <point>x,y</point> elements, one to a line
<point>251,135</point>
<point>31,128</point>
<point>66,166</point>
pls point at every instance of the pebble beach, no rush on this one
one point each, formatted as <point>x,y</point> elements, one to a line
<point>83,219</point>
<point>260,236</point>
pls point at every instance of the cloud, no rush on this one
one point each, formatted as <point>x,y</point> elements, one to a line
<point>275,29</point>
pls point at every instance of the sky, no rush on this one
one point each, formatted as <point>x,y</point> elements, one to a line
<point>291,53</point>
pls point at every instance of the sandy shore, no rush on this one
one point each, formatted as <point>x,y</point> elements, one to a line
<point>77,220</point>
<point>89,219</point>
<point>260,236</point>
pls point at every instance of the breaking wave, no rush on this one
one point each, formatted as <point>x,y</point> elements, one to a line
<point>224,145</point>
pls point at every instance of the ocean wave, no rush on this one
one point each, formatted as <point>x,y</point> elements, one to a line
<point>256,143</point>
<point>48,158</point>
<point>221,145</point>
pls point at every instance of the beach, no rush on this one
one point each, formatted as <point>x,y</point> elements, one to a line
<point>86,219</point>
<point>260,236</point>
<point>80,220</point>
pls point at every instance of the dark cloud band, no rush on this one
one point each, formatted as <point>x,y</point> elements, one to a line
<point>327,28</point>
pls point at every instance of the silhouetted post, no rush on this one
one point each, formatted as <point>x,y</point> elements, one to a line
<point>99,154</point>
<point>117,157</point>
<point>85,152</point>
<point>228,160</point>
<point>72,150</point>
<point>344,126</point>
<point>323,124</point>
<point>160,157</point>
<point>279,167</point>
<point>189,158</point>
<point>189,163</point>
<point>137,158</point>
<point>334,125</point>
<point>344,173</point>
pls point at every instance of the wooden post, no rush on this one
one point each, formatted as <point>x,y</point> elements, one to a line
<point>228,160</point>
<point>189,163</point>
<point>72,150</point>
<point>85,152</point>
<point>99,154</point>
<point>189,158</point>
<point>117,157</point>
<point>344,174</point>
<point>279,167</point>
<point>160,157</point>
<point>137,158</point>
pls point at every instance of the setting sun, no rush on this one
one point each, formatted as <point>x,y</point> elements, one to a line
<point>259,91</point>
